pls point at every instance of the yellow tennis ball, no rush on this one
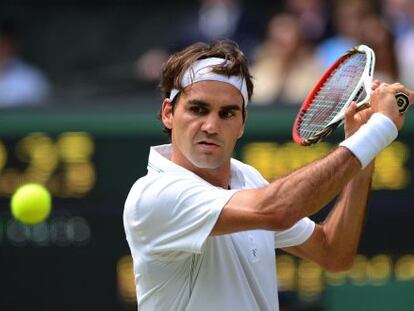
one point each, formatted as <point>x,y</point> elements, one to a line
<point>31,203</point>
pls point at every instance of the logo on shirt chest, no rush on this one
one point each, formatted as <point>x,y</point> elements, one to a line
<point>254,253</point>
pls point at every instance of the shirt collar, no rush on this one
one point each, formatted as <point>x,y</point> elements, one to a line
<point>159,162</point>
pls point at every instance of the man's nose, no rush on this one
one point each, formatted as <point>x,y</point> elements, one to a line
<point>211,124</point>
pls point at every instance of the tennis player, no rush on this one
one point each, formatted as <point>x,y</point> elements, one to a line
<point>203,227</point>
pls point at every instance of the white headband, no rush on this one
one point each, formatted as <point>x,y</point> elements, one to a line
<point>201,71</point>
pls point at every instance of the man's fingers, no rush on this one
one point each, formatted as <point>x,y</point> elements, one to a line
<point>375,84</point>
<point>350,112</point>
<point>383,100</point>
<point>400,88</point>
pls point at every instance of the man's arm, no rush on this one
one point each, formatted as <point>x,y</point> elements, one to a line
<point>302,193</point>
<point>334,243</point>
<point>282,203</point>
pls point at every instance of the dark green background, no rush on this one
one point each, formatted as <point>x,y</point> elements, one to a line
<point>83,277</point>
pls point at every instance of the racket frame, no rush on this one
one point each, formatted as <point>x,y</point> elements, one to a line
<point>364,83</point>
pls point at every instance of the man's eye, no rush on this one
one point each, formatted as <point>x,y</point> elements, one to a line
<point>227,114</point>
<point>198,110</point>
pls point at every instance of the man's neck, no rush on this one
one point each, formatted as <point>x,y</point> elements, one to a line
<point>219,177</point>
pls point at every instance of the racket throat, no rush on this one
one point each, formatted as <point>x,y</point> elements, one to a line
<point>321,134</point>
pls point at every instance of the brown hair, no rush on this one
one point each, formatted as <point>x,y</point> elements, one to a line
<point>178,63</point>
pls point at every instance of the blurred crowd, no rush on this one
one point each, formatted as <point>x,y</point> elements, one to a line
<point>20,82</point>
<point>288,48</point>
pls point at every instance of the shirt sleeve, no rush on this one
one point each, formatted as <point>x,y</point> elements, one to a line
<point>295,235</point>
<point>174,214</point>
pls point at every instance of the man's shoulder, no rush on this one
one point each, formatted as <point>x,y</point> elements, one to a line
<point>160,187</point>
<point>147,193</point>
<point>153,182</point>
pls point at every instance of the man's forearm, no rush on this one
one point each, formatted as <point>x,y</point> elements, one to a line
<point>344,223</point>
<point>308,189</point>
<point>334,243</point>
<point>285,201</point>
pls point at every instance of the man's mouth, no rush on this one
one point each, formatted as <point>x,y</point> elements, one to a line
<point>208,143</point>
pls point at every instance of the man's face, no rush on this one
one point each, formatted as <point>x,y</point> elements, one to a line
<point>205,125</point>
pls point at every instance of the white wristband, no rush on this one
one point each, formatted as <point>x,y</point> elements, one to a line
<point>371,138</point>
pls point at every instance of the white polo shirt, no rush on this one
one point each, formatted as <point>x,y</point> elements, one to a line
<point>168,216</point>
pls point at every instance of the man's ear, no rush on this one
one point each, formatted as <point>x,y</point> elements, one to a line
<point>241,132</point>
<point>167,113</point>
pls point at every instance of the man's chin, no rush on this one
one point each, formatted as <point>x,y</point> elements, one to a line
<point>207,164</point>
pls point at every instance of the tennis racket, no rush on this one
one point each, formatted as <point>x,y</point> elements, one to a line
<point>348,79</point>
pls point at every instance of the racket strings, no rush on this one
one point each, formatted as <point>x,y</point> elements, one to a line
<point>333,95</point>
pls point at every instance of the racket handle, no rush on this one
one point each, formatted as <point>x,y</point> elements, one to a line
<point>402,101</point>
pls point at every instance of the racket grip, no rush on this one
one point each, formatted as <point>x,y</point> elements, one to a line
<point>402,101</point>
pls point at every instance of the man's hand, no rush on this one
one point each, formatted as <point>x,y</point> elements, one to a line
<point>383,101</point>
<point>354,119</point>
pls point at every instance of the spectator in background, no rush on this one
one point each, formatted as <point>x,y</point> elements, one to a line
<point>347,19</point>
<point>397,13</point>
<point>212,20</point>
<point>403,28</point>
<point>218,19</point>
<point>375,33</point>
<point>312,17</point>
<point>406,58</point>
<point>20,83</point>
<point>285,68</point>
